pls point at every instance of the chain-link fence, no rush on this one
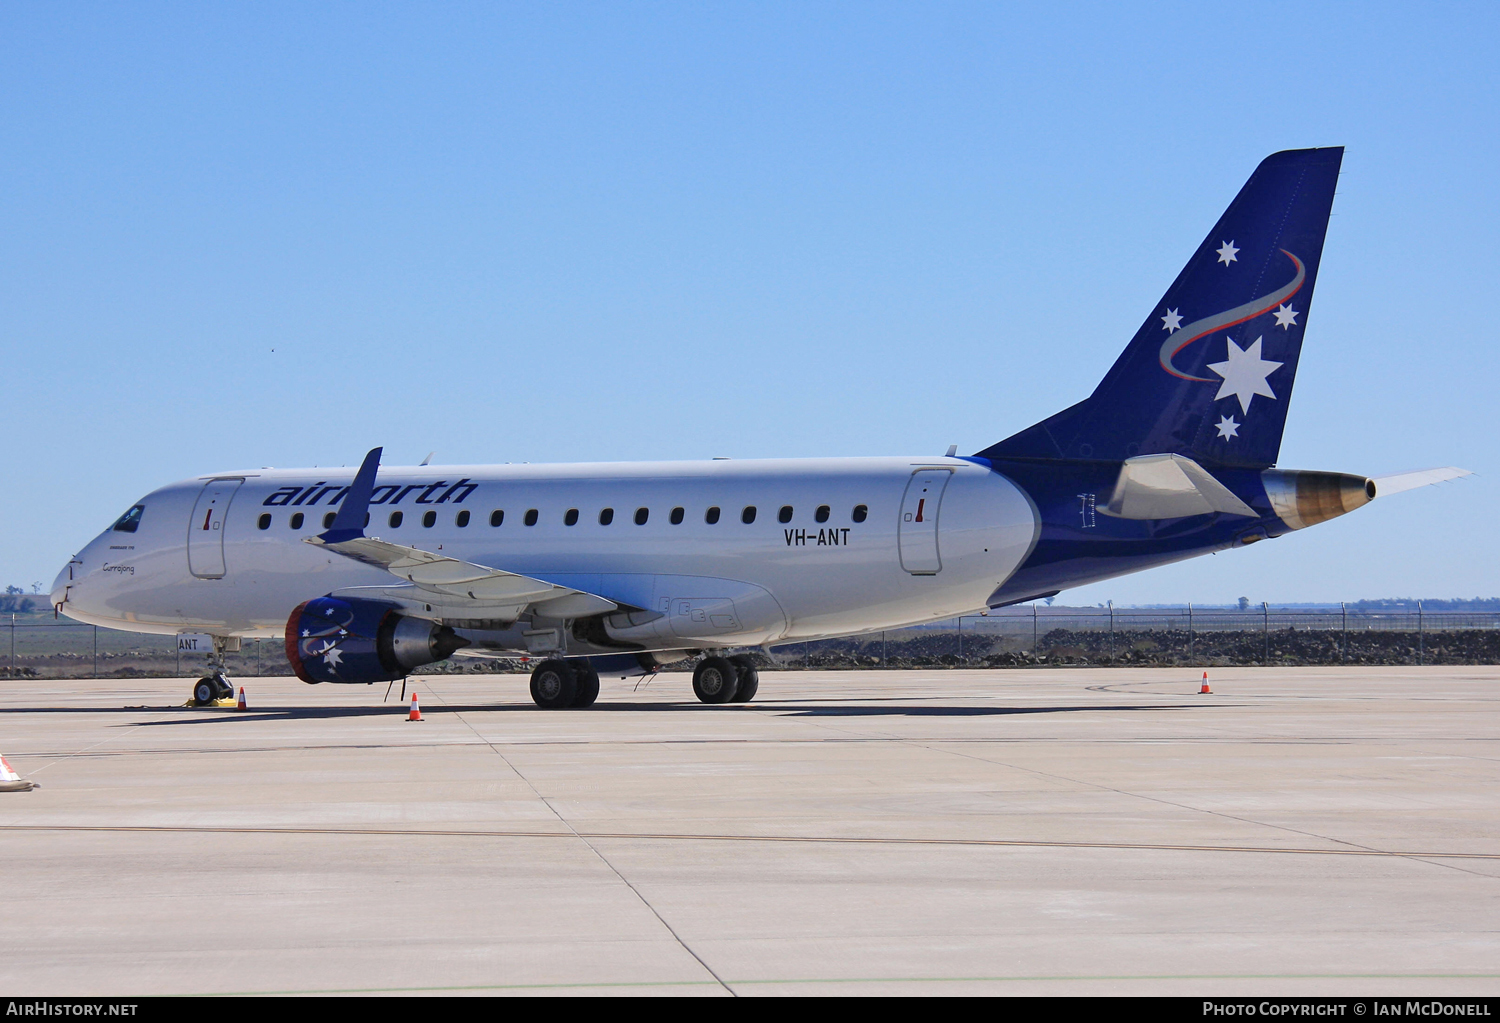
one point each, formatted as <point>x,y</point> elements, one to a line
<point>1183,635</point>
<point>37,646</point>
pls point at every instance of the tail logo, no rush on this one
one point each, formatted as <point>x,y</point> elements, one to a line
<point>1181,335</point>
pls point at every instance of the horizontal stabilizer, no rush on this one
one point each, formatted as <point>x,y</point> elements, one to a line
<point>1170,487</point>
<point>1396,482</point>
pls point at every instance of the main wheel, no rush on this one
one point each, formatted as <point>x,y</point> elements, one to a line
<point>749,678</point>
<point>206,691</point>
<point>588,683</point>
<point>715,680</point>
<point>554,684</point>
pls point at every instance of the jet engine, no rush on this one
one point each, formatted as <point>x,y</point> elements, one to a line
<point>333,640</point>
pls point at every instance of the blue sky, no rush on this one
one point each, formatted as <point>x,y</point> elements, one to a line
<point>279,234</point>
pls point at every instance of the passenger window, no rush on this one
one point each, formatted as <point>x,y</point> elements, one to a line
<point>531,517</point>
<point>571,518</point>
<point>396,518</point>
<point>606,516</point>
<point>677,514</point>
<point>785,514</point>
<point>496,517</point>
<point>463,519</point>
<point>641,515</point>
<point>712,516</point>
<point>128,522</point>
<point>296,522</point>
<point>265,521</point>
<point>822,513</point>
<point>748,515</point>
<point>860,511</point>
<point>328,520</point>
<point>429,520</point>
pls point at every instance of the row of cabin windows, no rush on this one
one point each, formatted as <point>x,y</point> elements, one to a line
<point>570,518</point>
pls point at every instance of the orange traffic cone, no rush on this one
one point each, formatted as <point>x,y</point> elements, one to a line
<point>1205,688</point>
<point>241,704</point>
<point>10,781</point>
<point>416,712</point>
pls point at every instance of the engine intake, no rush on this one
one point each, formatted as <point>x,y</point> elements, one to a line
<point>359,641</point>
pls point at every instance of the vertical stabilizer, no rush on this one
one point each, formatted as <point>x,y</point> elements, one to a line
<point>1209,374</point>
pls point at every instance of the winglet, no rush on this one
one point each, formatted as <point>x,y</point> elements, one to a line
<point>349,523</point>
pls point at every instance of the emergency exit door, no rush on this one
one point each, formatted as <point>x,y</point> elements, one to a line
<point>918,529</point>
<point>206,528</point>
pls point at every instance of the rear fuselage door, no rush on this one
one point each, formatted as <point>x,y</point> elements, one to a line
<point>206,528</point>
<point>918,528</point>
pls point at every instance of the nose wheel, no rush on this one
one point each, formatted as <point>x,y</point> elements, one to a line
<point>212,688</point>
<point>215,685</point>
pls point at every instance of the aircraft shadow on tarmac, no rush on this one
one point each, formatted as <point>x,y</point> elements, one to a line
<point>916,712</point>
<point>193,716</point>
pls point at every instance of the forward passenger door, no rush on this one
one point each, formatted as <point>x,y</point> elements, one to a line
<point>205,546</point>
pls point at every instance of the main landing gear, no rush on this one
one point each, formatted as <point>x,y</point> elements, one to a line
<point>556,683</point>
<point>726,679</point>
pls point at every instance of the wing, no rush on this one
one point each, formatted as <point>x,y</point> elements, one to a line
<point>441,587</point>
<point>461,589</point>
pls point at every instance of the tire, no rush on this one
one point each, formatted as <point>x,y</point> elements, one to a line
<point>588,683</point>
<point>715,680</point>
<point>206,691</point>
<point>749,678</point>
<point>554,684</point>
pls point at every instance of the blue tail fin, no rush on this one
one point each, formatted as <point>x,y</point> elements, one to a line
<point>1210,372</point>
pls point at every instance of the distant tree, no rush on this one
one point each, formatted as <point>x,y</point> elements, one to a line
<point>1244,603</point>
<point>13,590</point>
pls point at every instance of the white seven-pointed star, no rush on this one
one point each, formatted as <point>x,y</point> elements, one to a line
<point>1244,374</point>
<point>1227,253</point>
<point>1286,317</point>
<point>1171,321</point>
<point>331,655</point>
<point>1228,427</point>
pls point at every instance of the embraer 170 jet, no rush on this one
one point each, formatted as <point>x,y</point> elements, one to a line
<point>369,575</point>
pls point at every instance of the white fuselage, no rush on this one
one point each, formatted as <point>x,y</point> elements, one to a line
<point>223,554</point>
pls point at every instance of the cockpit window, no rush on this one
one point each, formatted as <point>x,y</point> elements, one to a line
<point>130,520</point>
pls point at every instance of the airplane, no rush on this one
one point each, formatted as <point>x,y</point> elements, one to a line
<point>585,567</point>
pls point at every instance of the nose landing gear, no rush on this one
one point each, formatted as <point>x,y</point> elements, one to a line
<point>215,685</point>
<point>212,688</point>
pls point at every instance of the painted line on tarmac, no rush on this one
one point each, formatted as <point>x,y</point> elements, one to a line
<point>1067,978</point>
<point>803,839</point>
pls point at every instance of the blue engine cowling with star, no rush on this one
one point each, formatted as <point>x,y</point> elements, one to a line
<point>329,639</point>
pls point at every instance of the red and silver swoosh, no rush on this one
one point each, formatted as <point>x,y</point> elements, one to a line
<point>1180,339</point>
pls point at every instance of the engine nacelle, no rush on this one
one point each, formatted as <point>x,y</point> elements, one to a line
<point>333,640</point>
